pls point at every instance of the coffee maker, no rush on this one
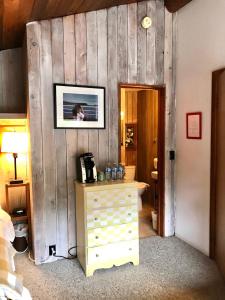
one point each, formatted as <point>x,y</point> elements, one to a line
<point>86,168</point>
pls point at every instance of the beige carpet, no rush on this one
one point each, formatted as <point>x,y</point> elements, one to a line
<point>169,269</point>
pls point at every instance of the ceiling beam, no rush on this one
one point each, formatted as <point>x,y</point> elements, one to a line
<point>174,5</point>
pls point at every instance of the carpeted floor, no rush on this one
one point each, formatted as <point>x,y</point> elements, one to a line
<point>169,269</point>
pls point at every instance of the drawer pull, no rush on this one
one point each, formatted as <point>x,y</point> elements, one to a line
<point>96,200</point>
<point>129,214</point>
<point>129,196</point>
<point>96,237</point>
<point>97,255</point>
<point>130,231</point>
<point>130,249</point>
<point>96,219</point>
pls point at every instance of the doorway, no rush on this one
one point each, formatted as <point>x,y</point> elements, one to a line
<point>217,197</point>
<point>141,150</point>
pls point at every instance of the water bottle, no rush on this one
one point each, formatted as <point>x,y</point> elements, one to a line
<point>120,172</point>
<point>100,176</point>
<point>108,172</point>
<point>114,172</point>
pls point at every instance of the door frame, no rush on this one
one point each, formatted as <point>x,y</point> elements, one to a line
<point>213,179</point>
<point>161,144</point>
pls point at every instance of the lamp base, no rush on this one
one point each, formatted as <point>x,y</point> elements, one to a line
<point>16,181</point>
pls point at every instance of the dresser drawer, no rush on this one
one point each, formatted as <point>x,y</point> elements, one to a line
<point>113,252</point>
<point>111,198</point>
<point>112,216</point>
<point>111,234</point>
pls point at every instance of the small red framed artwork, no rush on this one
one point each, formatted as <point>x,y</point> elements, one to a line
<point>194,125</point>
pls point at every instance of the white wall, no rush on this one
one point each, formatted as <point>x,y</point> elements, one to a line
<point>200,50</point>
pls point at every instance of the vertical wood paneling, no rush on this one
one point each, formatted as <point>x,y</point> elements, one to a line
<point>173,82</point>
<point>141,43</point>
<point>57,52</point>
<point>112,84</point>
<point>36,153</point>
<point>12,91</point>
<point>16,85</point>
<point>122,44</point>
<point>159,41</point>
<point>102,81</point>
<point>134,107</point>
<point>69,49</point>
<point>48,134</point>
<point>151,36</point>
<point>130,107</point>
<point>1,82</point>
<point>145,113</point>
<point>122,21</point>
<point>168,81</point>
<point>97,48</point>
<point>81,48</point>
<point>92,73</point>
<point>81,70</point>
<point>170,121</point>
<point>5,80</point>
<point>60,143</point>
<point>92,47</point>
<point>71,135</point>
<point>132,43</point>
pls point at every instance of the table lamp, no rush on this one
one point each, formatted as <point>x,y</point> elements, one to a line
<point>14,142</point>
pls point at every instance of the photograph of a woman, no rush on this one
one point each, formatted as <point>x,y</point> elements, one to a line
<point>80,107</point>
<point>78,113</point>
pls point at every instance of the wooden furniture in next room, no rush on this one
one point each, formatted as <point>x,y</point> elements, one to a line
<point>25,217</point>
<point>107,225</point>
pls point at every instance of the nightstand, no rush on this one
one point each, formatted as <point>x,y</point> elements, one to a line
<point>22,218</point>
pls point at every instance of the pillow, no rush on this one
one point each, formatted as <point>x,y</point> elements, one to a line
<point>4,216</point>
<point>6,226</point>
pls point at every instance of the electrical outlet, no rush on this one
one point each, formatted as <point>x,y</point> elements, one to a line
<point>52,250</point>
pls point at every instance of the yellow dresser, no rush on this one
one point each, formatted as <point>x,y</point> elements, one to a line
<point>107,225</point>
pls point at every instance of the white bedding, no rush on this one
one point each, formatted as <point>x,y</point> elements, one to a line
<point>10,283</point>
<point>6,227</point>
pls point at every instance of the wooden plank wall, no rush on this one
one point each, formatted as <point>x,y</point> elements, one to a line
<point>12,94</point>
<point>170,130</point>
<point>147,132</point>
<point>103,48</point>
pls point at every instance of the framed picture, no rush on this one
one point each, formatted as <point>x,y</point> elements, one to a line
<point>130,136</point>
<point>79,106</point>
<point>194,125</point>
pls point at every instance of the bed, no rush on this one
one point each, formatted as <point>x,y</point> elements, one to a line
<point>11,284</point>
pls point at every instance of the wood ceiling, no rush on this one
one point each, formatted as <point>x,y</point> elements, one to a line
<point>14,14</point>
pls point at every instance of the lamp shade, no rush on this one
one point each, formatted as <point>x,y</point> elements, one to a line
<point>14,142</point>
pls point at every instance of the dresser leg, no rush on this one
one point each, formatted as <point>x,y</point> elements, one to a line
<point>89,271</point>
<point>135,262</point>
